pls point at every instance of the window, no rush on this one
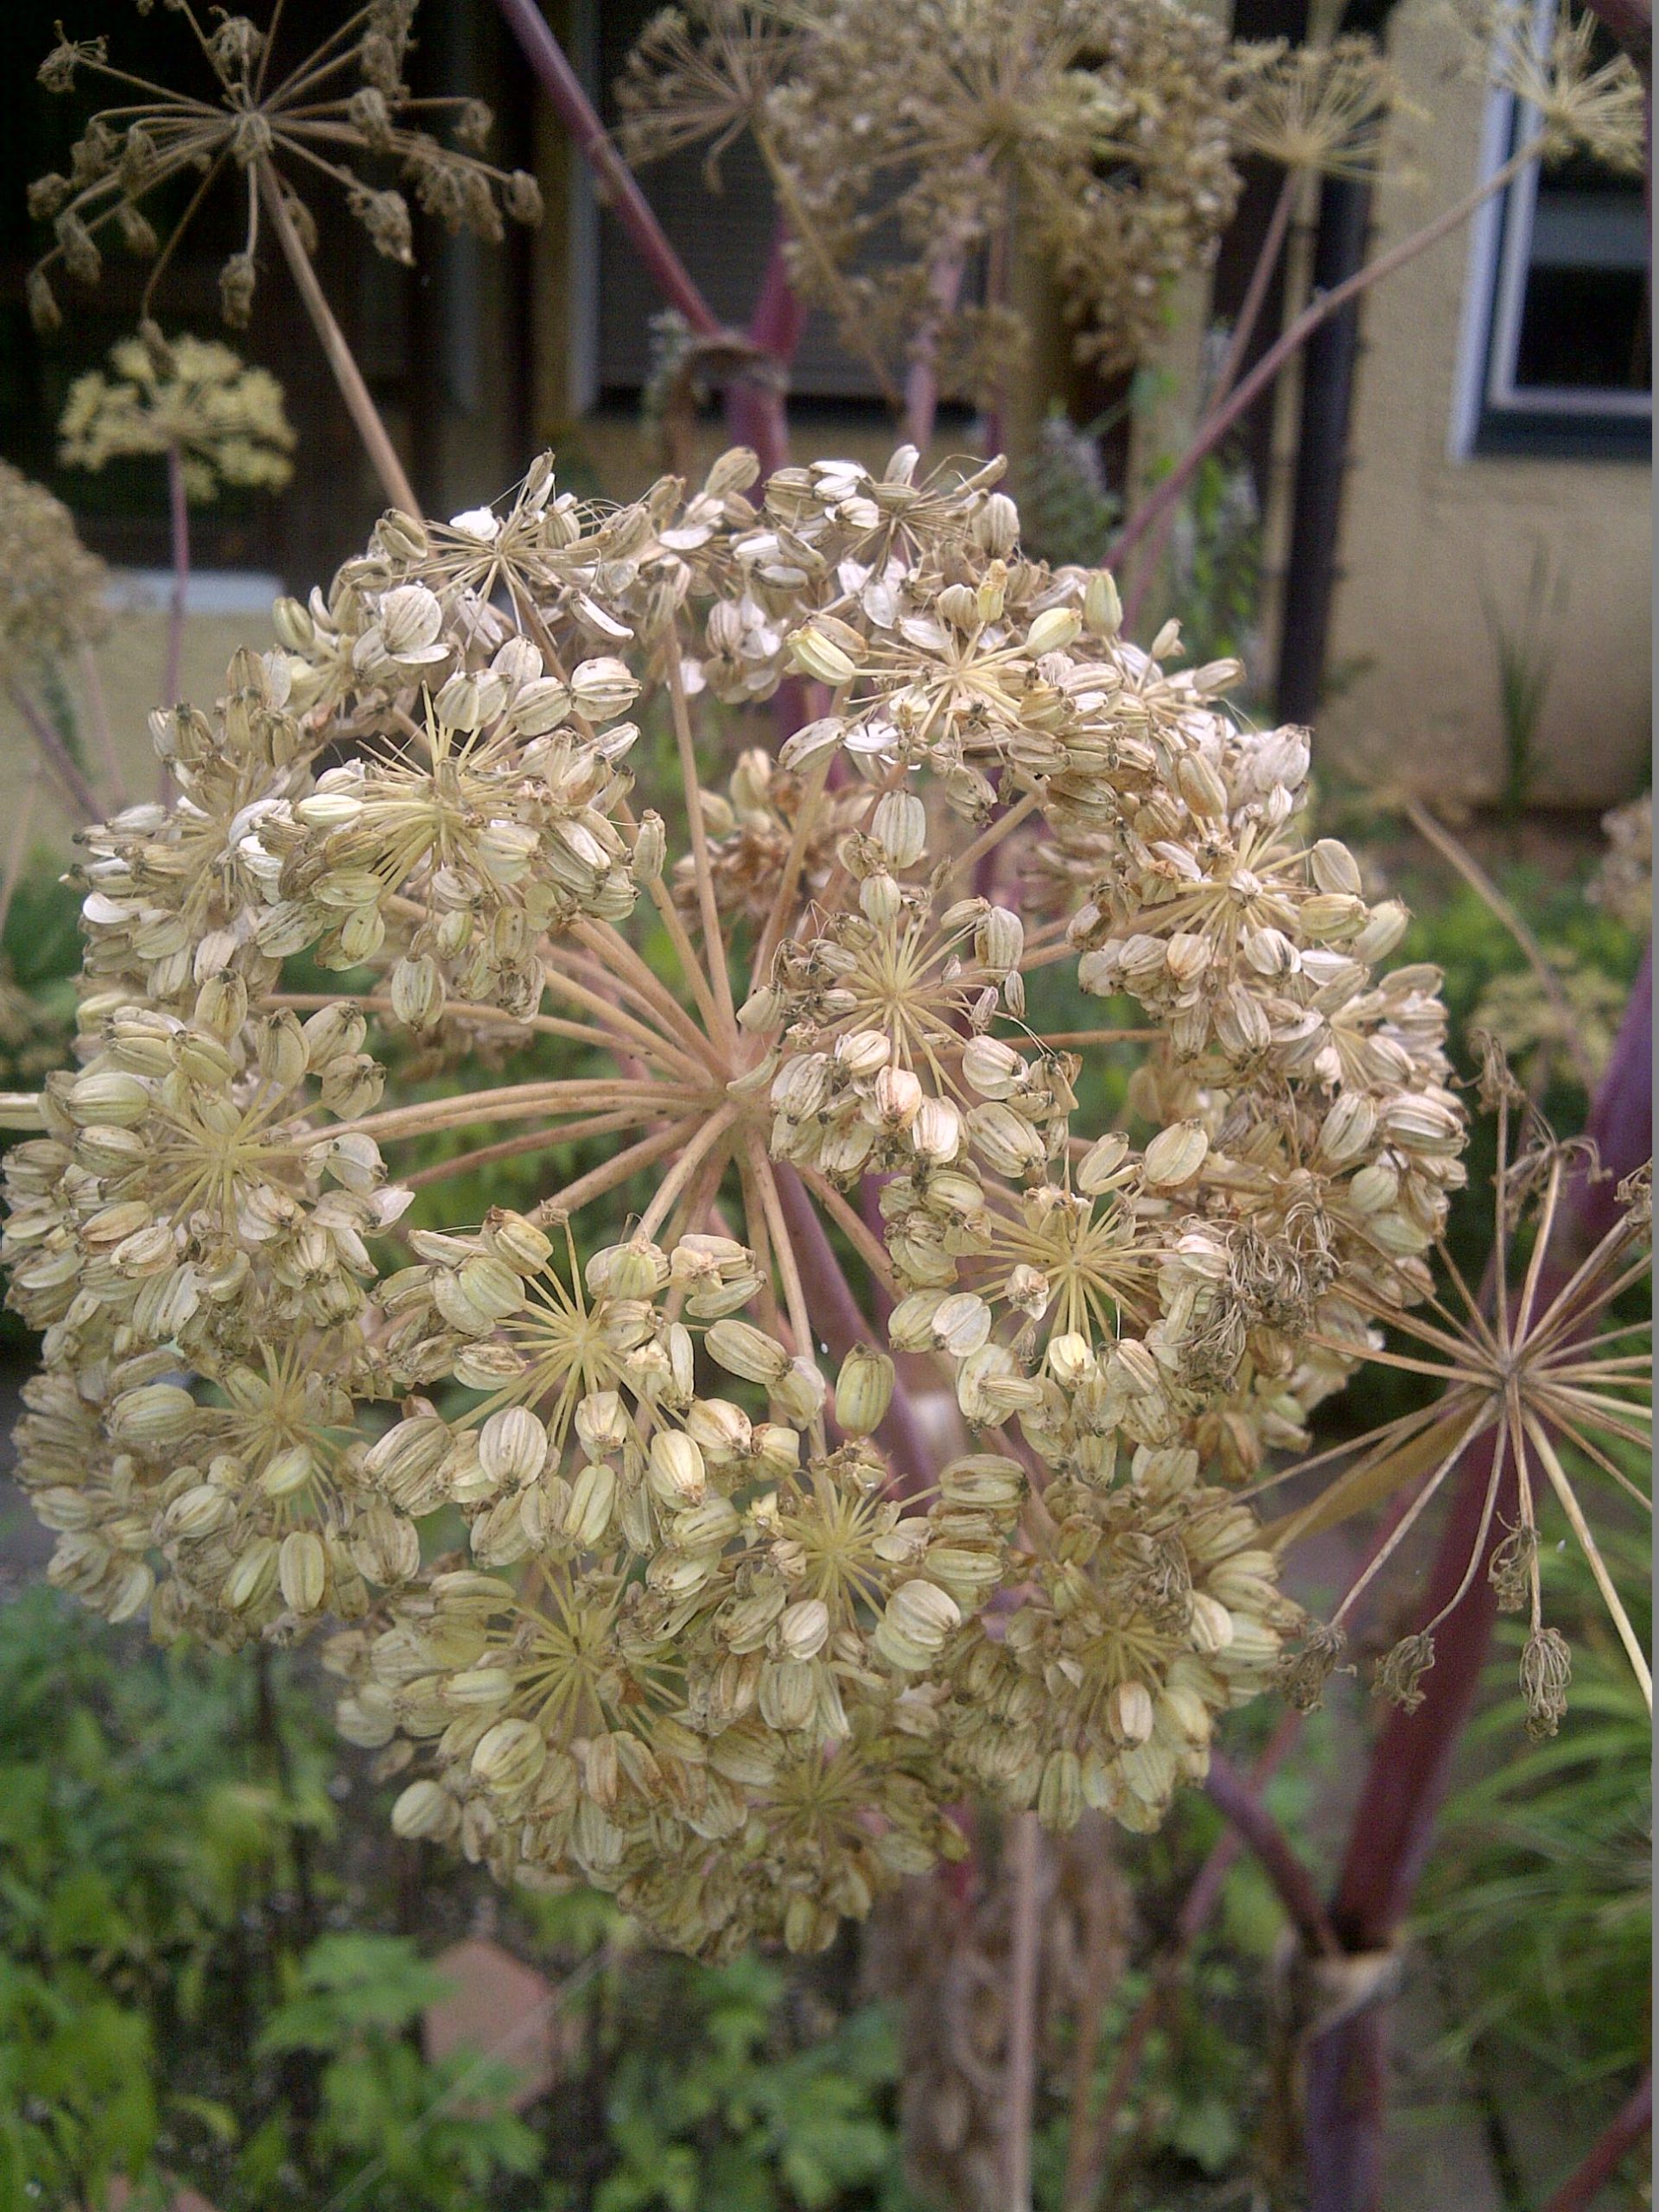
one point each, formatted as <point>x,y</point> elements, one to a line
<point>1555,354</point>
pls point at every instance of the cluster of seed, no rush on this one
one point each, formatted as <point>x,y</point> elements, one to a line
<point>188,396</point>
<point>707,1685</point>
<point>902,145</point>
<point>723,1638</point>
<point>252,125</point>
<point>52,589</point>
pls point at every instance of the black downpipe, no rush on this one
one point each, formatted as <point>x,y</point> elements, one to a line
<point>1329,362</point>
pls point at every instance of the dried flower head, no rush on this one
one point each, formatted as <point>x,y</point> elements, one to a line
<point>188,396</point>
<point>1547,1380</point>
<point>901,143</point>
<point>1580,97</point>
<point>311,123</point>
<point>1318,110</point>
<point>738,1619</point>
<point>52,589</point>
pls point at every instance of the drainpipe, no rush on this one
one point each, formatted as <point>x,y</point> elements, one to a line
<point>1328,366</point>
<point>1328,363</point>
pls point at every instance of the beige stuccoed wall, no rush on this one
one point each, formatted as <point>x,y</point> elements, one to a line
<point>1425,539</point>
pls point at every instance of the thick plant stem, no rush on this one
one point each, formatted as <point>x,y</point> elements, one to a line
<point>77,796</point>
<point>618,186</point>
<point>755,412</point>
<point>842,1323</point>
<point>1092,2136</point>
<point>1243,330</point>
<point>1231,1793</point>
<point>1320,311</point>
<point>364,415</point>
<point>178,515</point>
<point>1411,1763</point>
<point>922,378</point>
<point>1024,1847</point>
<point>1630,2124</point>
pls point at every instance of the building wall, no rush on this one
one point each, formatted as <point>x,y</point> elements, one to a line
<point>1436,552</point>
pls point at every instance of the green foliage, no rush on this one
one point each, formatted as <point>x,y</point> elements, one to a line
<point>198,1980</point>
<point>1540,1896</point>
<point>717,2109</point>
<point>154,1989</point>
<point>1217,551</point>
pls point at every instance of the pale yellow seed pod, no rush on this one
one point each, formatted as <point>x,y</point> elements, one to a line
<point>992,1068</point>
<point>1059,1794</point>
<point>898,825</point>
<point>936,1133</point>
<point>650,848</point>
<point>814,653</point>
<point>1176,1155</point>
<point>962,1323</point>
<point>513,1445</point>
<point>251,1578</point>
<point>803,1629</point>
<point>675,1468</point>
<point>593,1500</point>
<point>896,1096</point>
<point>1099,1167</point>
<point>510,1755</point>
<point>303,1571</point>
<point>1348,1129</point>
<point>1103,609</point>
<point>743,1350</point>
<point>425,1812</point>
<point>153,1417</point>
<point>1054,629</point>
<point>918,1618</point>
<point>1334,868</point>
<point>863,1051</point>
<point>1211,1624</point>
<point>1130,1710</point>
<point>863,1390</point>
<point>1201,786</point>
<point>286,1473</point>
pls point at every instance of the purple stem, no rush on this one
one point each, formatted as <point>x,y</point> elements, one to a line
<point>178,515</point>
<point>755,413</point>
<point>617,185</point>
<point>1412,1760</point>
<point>838,1318</point>
<point>922,379</point>
<point>1630,2124</point>
<point>1231,1793</point>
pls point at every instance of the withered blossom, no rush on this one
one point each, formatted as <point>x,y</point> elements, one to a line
<point>341,107</point>
<point>190,395</point>
<point>734,1626</point>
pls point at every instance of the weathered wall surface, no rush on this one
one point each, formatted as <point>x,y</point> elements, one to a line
<point>1429,542</point>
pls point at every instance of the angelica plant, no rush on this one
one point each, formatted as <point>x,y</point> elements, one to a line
<point>738,1616</point>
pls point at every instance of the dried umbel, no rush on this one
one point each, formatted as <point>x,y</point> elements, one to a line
<point>188,396</point>
<point>743,1610</point>
<point>51,588</point>
<point>1318,108</point>
<point>902,141</point>
<point>343,104</point>
<point>1546,1376</point>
